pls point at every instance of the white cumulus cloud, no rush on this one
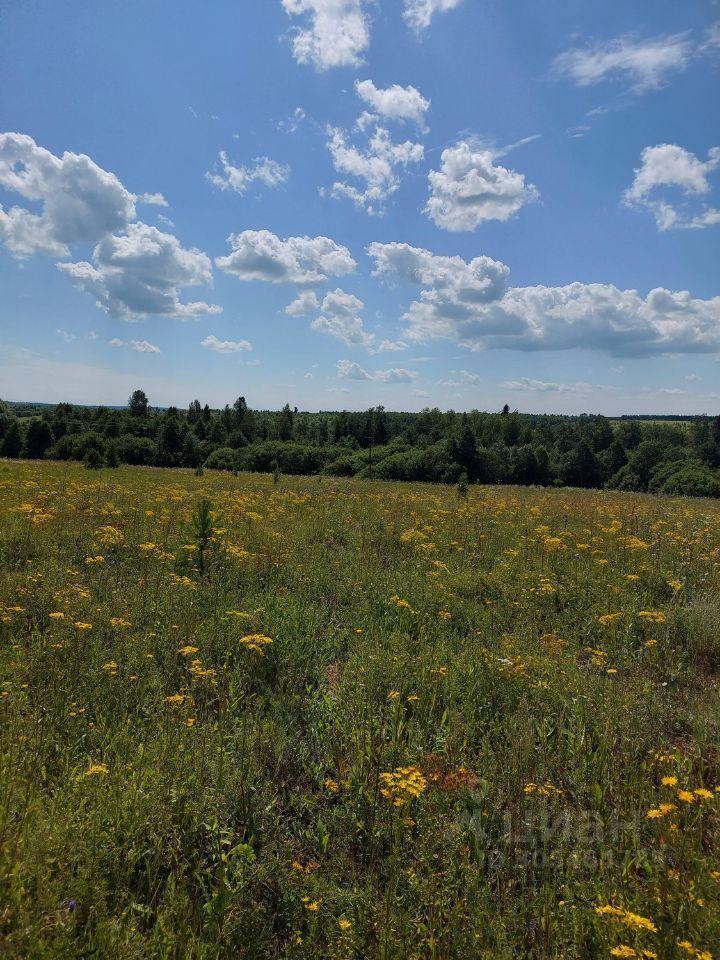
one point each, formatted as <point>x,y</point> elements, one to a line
<point>263,171</point>
<point>211,342</point>
<point>391,346</point>
<point>142,272</point>
<point>530,385</point>
<point>349,370</point>
<point>670,166</point>
<point>470,188</point>
<point>470,304</point>
<point>153,199</point>
<point>144,346</point>
<point>261,255</point>
<point>394,102</point>
<point>376,165</point>
<point>336,34</point>
<point>461,378</point>
<point>79,202</point>
<point>139,346</point>
<point>395,375</point>
<point>452,285</point>
<point>419,13</point>
<point>340,317</point>
<point>135,269</point>
<point>306,302</point>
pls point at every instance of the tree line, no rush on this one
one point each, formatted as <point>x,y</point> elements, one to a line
<point>660,456</point>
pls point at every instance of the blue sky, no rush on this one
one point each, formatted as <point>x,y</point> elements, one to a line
<point>339,203</point>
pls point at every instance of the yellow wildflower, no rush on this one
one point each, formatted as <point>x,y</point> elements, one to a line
<point>197,670</point>
<point>175,699</point>
<point>693,951</point>
<point>633,920</point>
<point>543,789</point>
<point>606,618</point>
<point>97,770</point>
<point>634,543</point>
<point>402,785</point>
<point>256,642</point>
<point>652,616</point>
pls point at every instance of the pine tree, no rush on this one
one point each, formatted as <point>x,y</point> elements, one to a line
<point>38,439</point>
<point>13,442</point>
<point>138,404</point>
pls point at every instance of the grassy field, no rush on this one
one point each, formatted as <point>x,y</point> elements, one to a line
<point>348,719</point>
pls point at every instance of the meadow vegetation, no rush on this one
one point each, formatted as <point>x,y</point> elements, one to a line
<point>255,717</point>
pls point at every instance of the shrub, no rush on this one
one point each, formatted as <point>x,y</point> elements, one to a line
<point>93,459</point>
<point>137,451</point>
<point>291,458</point>
<point>692,480</point>
<point>224,458</point>
<point>405,465</point>
<point>342,467</point>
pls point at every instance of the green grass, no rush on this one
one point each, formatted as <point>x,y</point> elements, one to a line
<point>173,789</point>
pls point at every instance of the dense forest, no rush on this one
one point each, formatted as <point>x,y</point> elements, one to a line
<point>656,455</point>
